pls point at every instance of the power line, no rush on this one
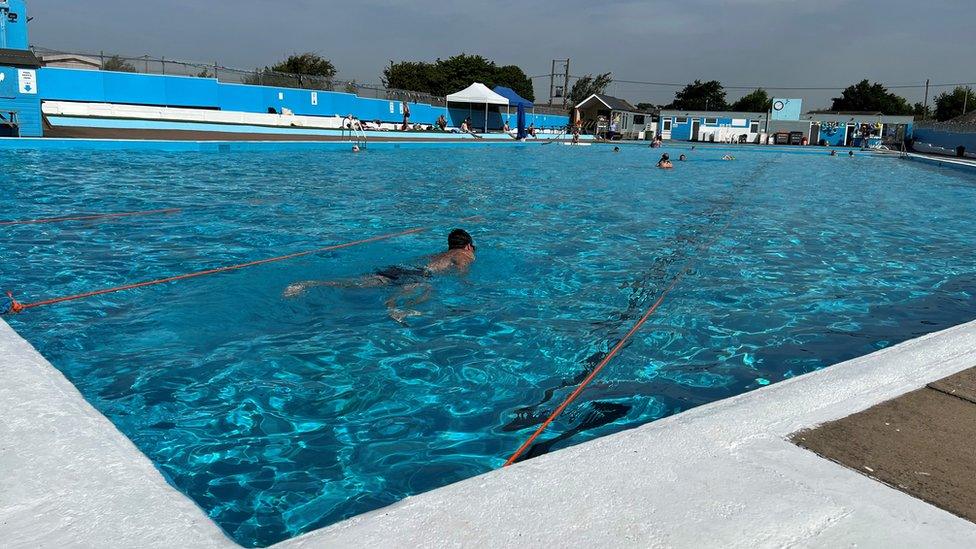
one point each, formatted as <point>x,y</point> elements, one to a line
<point>782,88</point>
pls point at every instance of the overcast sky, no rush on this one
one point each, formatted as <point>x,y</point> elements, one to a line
<point>803,43</point>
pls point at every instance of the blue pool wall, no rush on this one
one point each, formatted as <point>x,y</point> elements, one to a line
<point>60,84</point>
<point>947,140</point>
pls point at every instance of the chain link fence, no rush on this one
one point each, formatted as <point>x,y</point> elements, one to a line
<point>147,64</point>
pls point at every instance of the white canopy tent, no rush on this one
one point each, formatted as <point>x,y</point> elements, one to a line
<point>477,93</point>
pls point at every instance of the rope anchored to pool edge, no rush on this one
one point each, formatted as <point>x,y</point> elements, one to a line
<point>10,305</point>
<point>614,350</point>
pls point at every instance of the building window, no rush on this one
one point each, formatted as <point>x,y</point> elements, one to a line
<point>681,120</point>
<point>711,121</point>
<point>667,125</point>
<point>638,119</point>
<point>754,127</point>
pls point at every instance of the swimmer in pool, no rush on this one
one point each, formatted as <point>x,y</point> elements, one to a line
<point>665,162</point>
<point>682,158</point>
<point>412,281</point>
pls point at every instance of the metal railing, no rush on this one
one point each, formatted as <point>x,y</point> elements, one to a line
<point>147,64</point>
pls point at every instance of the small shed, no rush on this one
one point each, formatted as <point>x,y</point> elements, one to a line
<point>611,117</point>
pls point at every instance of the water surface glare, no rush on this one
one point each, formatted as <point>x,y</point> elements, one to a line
<point>278,416</point>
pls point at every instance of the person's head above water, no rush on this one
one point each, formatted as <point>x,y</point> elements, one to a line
<point>665,157</point>
<point>616,149</point>
<point>682,157</point>
<point>459,239</point>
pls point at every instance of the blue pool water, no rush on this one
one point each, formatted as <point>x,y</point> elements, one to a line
<point>280,416</point>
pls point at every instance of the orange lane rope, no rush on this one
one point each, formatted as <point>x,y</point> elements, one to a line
<point>15,307</point>
<point>613,352</point>
<point>90,217</point>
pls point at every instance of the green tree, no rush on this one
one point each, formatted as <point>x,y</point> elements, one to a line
<point>300,70</point>
<point>647,107</point>
<point>756,101</point>
<point>418,76</point>
<point>117,64</point>
<point>920,111</point>
<point>701,96</point>
<point>587,86</point>
<point>949,105</point>
<point>868,97</point>
<point>512,76</point>
<point>307,63</point>
<point>446,76</point>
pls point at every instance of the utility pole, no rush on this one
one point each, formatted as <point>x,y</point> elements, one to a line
<point>559,92</point>
<point>925,113</point>
<point>965,100</point>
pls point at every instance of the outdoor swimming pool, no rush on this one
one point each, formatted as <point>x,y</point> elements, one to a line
<point>280,416</point>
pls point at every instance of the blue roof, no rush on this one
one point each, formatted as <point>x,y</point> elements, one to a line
<point>513,98</point>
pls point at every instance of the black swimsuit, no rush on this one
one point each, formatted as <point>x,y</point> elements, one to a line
<point>403,275</point>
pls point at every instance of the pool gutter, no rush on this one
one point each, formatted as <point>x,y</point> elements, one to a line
<point>723,474</point>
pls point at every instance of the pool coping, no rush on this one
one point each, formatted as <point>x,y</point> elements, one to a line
<point>720,474</point>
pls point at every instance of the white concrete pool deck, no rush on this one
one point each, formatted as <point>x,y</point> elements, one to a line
<point>721,475</point>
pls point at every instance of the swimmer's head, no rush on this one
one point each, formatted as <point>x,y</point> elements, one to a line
<point>355,148</point>
<point>682,157</point>
<point>665,157</point>
<point>616,149</point>
<point>459,239</point>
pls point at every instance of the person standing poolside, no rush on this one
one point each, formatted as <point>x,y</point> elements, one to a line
<point>411,280</point>
<point>406,117</point>
<point>442,123</point>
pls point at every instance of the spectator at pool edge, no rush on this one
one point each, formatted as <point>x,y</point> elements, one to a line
<point>406,117</point>
<point>412,281</point>
<point>442,123</point>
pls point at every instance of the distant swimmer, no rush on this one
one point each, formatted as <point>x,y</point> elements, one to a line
<point>682,158</point>
<point>616,149</point>
<point>850,153</point>
<point>665,162</point>
<point>412,280</point>
<point>833,153</point>
<point>355,148</point>
<point>728,157</point>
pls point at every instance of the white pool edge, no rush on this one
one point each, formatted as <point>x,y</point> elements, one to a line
<point>717,475</point>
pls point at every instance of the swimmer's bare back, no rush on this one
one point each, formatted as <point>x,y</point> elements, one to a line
<point>450,260</point>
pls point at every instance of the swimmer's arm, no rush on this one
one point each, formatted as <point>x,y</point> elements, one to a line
<point>296,289</point>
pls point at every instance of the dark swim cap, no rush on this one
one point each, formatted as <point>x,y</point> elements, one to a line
<point>458,239</point>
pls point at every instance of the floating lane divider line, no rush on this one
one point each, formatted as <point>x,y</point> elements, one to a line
<point>90,217</point>
<point>11,305</point>
<point>616,348</point>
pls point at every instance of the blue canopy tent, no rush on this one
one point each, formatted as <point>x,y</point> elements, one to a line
<point>514,99</point>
